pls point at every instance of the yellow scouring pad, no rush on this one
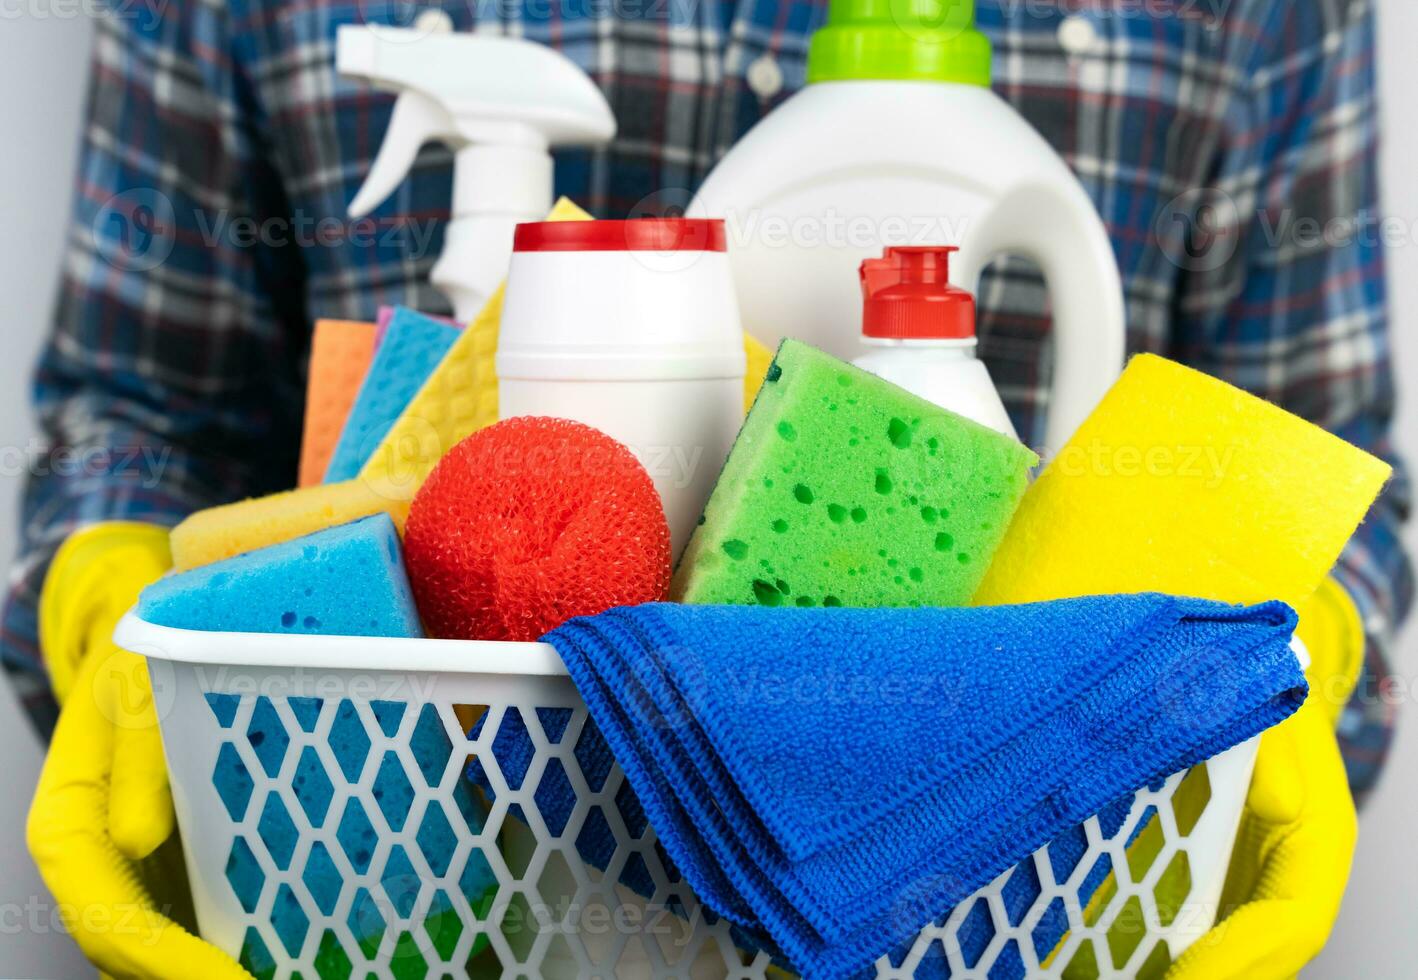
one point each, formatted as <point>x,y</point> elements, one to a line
<point>1182,483</point>
<point>234,529</point>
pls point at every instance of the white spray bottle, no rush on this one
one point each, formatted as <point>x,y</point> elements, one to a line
<point>501,104</point>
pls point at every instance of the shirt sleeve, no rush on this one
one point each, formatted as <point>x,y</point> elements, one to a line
<point>170,378</point>
<point>1282,264</point>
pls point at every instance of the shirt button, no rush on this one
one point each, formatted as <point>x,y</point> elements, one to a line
<point>765,78</point>
<point>1077,35</point>
<point>434,22</point>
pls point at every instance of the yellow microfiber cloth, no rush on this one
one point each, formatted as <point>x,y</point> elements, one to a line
<point>234,529</point>
<point>340,353</point>
<point>459,398</point>
<point>1182,483</point>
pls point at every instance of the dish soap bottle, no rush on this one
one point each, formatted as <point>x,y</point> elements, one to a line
<point>921,331</point>
<point>898,140</point>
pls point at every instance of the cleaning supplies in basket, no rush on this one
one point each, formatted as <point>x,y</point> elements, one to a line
<point>843,489</point>
<point>1179,482</point>
<point>530,522</point>
<point>926,751</point>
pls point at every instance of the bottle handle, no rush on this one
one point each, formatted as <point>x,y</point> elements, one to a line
<point>1057,227</point>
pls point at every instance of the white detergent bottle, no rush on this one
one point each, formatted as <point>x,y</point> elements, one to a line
<point>920,331</point>
<point>501,103</point>
<point>898,140</point>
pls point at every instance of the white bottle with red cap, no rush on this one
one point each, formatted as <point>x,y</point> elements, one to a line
<point>921,333</point>
<point>631,327</point>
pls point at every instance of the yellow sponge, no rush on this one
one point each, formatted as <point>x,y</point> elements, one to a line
<point>1182,483</point>
<point>459,398</point>
<point>340,353</point>
<point>221,532</point>
<point>759,358</point>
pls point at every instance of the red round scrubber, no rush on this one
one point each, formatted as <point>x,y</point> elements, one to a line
<point>528,523</point>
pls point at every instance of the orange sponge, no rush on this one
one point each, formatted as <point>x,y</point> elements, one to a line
<point>340,354</point>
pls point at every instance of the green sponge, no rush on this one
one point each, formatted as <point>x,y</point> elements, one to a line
<point>844,489</point>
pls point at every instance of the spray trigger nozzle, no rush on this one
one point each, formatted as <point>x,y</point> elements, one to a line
<point>500,104</point>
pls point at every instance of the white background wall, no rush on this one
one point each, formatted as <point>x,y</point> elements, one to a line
<point>1377,933</point>
<point>41,94</point>
<point>42,83</point>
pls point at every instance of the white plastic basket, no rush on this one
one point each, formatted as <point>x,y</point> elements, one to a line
<point>331,830</point>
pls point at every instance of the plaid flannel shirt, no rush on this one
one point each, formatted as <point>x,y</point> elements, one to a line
<point>1228,144</point>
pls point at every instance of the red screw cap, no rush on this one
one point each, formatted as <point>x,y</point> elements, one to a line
<point>634,235</point>
<point>908,296</point>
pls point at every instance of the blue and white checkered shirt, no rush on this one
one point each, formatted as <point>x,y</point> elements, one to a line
<point>1228,144</point>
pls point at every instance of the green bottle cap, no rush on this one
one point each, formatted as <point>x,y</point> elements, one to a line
<point>900,40</point>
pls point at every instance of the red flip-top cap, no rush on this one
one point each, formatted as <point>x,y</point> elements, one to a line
<point>635,235</point>
<point>907,295</point>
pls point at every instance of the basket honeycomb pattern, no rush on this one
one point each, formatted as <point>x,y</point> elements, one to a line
<point>379,838</point>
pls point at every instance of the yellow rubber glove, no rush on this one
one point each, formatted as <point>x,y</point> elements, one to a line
<point>1296,841</point>
<point>103,808</point>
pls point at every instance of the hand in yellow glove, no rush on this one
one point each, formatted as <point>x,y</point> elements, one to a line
<point>103,808</point>
<point>1297,836</point>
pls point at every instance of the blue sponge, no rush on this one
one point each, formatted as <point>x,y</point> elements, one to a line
<point>343,581</point>
<point>413,347</point>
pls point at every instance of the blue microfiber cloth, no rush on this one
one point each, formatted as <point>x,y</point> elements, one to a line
<point>343,581</point>
<point>833,779</point>
<point>413,347</point>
